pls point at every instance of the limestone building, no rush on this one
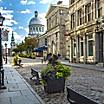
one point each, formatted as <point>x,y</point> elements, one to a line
<point>56,17</point>
<point>85,37</point>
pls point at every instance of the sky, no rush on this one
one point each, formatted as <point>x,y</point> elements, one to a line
<point>18,13</point>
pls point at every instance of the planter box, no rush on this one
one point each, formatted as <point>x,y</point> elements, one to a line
<point>55,85</point>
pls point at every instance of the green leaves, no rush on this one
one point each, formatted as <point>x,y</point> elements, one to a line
<point>62,70</point>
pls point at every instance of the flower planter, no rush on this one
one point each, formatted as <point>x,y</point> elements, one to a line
<point>54,85</point>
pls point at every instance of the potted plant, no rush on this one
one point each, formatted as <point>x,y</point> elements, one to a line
<point>54,76</point>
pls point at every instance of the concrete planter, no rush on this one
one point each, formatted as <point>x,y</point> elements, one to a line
<point>54,85</point>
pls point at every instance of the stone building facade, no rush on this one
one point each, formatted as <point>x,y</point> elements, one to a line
<point>56,18</point>
<point>85,32</point>
<point>42,40</point>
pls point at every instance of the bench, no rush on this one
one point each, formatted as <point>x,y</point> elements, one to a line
<point>75,98</point>
<point>35,74</point>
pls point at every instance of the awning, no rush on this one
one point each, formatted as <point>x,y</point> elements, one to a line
<point>40,49</point>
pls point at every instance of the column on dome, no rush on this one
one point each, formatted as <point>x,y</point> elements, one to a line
<point>36,29</point>
<point>33,29</point>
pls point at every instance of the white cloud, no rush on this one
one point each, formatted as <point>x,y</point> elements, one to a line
<point>10,4</point>
<point>27,30</point>
<point>26,11</point>
<point>46,1</point>
<point>10,22</point>
<point>42,16</point>
<point>8,14</point>
<point>31,3</point>
<point>27,2</point>
<point>65,2</point>
<point>18,38</point>
<point>23,2</point>
<point>20,27</point>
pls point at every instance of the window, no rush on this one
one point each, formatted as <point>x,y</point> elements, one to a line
<point>56,36</point>
<point>90,45</point>
<point>88,16</point>
<point>73,21</point>
<point>82,47</point>
<point>36,29</point>
<point>40,29</point>
<point>99,8</point>
<point>74,48</point>
<point>72,1</point>
<point>45,41</point>
<point>80,17</point>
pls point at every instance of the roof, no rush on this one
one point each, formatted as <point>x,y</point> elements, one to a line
<point>35,20</point>
<point>40,49</point>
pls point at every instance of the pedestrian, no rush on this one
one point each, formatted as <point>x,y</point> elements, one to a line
<point>59,56</point>
<point>49,58</point>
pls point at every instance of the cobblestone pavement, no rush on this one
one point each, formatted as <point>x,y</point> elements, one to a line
<point>87,82</point>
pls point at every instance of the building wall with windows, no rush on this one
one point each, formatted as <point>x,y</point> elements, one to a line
<point>85,42</point>
<point>56,18</point>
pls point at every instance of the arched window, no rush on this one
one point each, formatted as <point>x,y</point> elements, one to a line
<point>36,29</point>
<point>40,30</point>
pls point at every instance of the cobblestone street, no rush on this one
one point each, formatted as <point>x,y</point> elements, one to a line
<point>87,82</point>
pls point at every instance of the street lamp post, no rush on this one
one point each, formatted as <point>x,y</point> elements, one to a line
<point>1,64</point>
<point>5,53</point>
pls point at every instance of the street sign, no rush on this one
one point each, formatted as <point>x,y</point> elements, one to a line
<point>5,35</point>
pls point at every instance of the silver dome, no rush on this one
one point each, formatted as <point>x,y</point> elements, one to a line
<point>35,20</point>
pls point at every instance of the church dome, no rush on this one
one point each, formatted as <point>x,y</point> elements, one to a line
<point>35,20</point>
<point>36,27</point>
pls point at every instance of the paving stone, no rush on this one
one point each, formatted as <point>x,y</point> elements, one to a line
<point>24,100</point>
<point>5,100</point>
<point>13,87</point>
<point>26,92</point>
<point>9,94</point>
<point>23,86</point>
<point>17,92</point>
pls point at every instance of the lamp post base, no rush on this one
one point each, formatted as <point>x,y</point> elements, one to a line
<point>2,87</point>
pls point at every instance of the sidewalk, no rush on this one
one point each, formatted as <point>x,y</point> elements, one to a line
<point>18,90</point>
<point>85,66</point>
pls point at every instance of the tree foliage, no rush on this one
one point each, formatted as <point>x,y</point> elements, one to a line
<point>29,43</point>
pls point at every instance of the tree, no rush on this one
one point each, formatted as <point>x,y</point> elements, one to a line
<point>31,42</point>
<point>21,47</point>
<point>28,45</point>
